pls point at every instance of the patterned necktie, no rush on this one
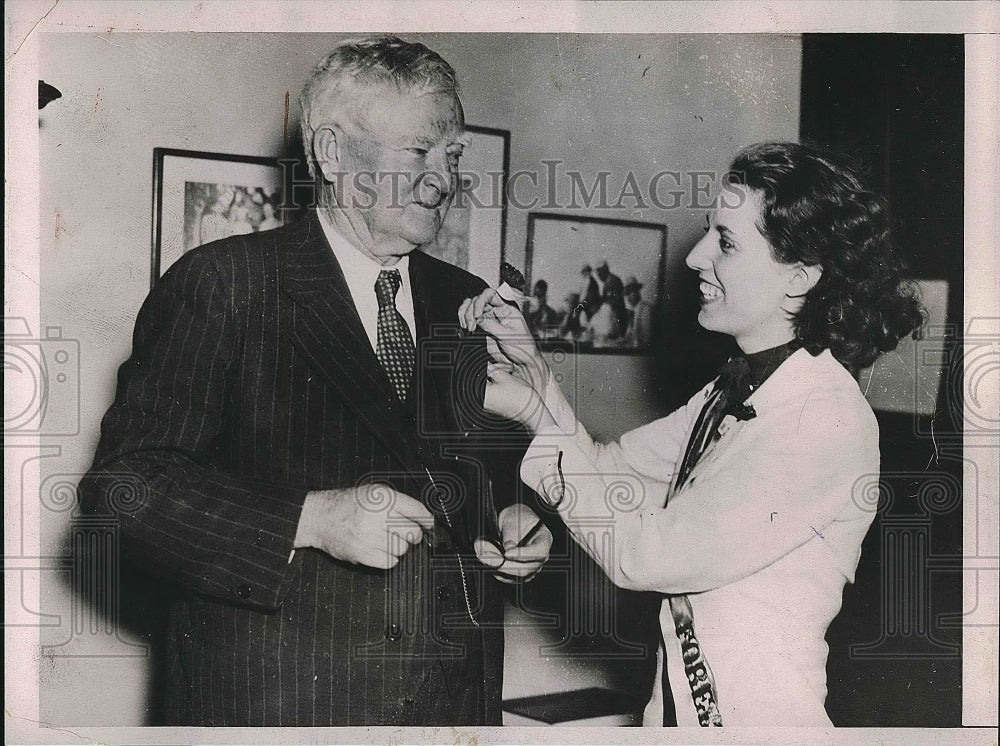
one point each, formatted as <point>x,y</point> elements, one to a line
<point>394,347</point>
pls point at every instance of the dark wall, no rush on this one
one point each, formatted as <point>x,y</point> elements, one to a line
<point>895,103</point>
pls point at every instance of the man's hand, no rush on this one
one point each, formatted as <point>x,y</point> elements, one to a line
<point>517,562</point>
<point>370,525</point>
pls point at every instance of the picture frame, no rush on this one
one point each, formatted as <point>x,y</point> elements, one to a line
<point>616,314</point>
<point>202,196</point>
<point>474,234</point>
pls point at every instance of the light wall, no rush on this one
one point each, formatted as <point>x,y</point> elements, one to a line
<point>638,104</point>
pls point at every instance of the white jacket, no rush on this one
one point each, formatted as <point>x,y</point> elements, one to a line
<point>762,537</point>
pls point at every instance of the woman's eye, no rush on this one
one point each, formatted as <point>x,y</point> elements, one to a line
<point>725,244</point>
<point>420,152</point>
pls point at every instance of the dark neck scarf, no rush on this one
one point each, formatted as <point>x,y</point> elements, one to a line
<point>744,374</point>
<point>738,378</point>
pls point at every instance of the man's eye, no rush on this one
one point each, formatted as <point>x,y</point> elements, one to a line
<point>725,244</point>
<point>421,152</point>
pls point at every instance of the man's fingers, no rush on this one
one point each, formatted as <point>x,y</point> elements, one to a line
<point>539,544</point>
<point>513,572</point>
<point>411,533</point>
<point>526,555</point>
<point>488,553</point>
<point>414,510</point>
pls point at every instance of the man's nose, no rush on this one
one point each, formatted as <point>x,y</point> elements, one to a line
<point>700,257</point>
<point>432,189</point>
<point>435,184</point>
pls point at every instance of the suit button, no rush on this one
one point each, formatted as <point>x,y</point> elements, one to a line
<point>393,632</point>
<point>443,593</point>
<point>244,592</point>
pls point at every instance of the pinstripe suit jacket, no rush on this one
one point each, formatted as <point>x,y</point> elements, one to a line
<point>250,382</point>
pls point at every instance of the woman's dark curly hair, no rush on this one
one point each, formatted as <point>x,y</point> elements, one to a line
<point>815,210</point>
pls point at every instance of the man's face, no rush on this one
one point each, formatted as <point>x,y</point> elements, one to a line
<point>401,163</point>
<point>743,287</point>
<point>603,272</point>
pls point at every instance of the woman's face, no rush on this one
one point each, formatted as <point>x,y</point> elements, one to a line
<point>743,288</point>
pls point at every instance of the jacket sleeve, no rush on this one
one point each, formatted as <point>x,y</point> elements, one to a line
<point>211,532</point>
<point>795,478</point>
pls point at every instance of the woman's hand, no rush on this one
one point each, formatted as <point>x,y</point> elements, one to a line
<point>509,395</point>
<point>510,340</point>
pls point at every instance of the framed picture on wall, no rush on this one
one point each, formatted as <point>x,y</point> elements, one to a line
<point>594,284</point>
<point>474,233</point>
<point>201,197</point>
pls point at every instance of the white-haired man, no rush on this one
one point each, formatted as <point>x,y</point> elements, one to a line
<point>305,422</point>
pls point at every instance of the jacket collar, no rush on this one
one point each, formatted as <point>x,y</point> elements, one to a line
<point>801,370</point>
<point>327,331</point>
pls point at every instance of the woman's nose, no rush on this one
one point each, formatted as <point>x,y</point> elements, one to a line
<point>700,257</point>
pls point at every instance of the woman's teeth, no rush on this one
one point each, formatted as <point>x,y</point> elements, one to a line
<point>710,291</point>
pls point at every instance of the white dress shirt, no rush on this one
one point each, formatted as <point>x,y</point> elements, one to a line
<point>361,272</point>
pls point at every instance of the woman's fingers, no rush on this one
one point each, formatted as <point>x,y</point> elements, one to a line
<point>463,314</point>
<point>496,371</point>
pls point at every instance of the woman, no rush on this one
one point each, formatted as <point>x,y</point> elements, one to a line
<point>741,506</point>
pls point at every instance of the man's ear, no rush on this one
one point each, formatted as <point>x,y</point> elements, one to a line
<point>326,145</point>
<point>803,280</point>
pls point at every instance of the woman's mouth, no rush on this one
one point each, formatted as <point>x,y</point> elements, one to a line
<point>709,292</point>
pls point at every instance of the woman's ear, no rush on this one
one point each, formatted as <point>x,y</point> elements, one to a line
<point>326,145</point>
<point>803,280</point>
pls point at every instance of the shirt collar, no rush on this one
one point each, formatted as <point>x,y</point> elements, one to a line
<point>360,271</point>
<point>763,363</point>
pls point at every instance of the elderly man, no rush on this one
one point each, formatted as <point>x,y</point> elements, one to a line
<point>302,427</point>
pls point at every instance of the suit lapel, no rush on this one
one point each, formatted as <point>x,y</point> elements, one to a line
<point>442,356</point>
<point>440,349</point>
<point>327,331</point>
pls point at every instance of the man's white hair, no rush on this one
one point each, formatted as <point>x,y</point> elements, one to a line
<point>358,65</point>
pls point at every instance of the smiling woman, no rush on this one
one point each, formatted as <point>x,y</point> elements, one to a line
<point>745,291</point>
<point>744,512</point>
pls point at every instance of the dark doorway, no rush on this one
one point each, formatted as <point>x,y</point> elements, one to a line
<point>895,103</point>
